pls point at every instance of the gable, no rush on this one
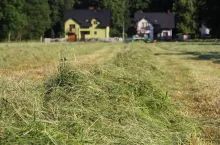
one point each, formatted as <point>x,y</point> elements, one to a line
<point>163,20</point>
<point>144,23</point>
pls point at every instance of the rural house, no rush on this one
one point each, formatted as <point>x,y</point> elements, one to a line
<point>82,24</point>
<point>205,31</point>
<point>155,25</point>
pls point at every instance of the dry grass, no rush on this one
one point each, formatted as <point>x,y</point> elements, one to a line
<point>195,82</point>
<point>117,99</point>
<point>102,93</point>
<point>35,61</point>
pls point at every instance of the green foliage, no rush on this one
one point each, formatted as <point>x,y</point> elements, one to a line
<point>12,18</point>
<point>186,16</point>
<point>38,13</point>
<point>115,33</point>
<point>117,8</point>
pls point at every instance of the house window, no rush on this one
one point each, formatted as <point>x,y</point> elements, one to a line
<point>95,22</point>
<point>95,33</point>
<point>72,26</point>
<point>144,24</point>
<point>165,34</point>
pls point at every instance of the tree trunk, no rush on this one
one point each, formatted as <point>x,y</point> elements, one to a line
<point>9,36</point>
<point>19,35</point>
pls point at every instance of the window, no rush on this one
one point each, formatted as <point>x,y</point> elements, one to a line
<point>144,24</point>
<point>95,32</point>
<point>94,22</point>
<point>165,34</point>
<point>72,26</point>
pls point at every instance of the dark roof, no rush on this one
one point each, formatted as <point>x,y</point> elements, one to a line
<point>164,20</point>
<point>83,17</point>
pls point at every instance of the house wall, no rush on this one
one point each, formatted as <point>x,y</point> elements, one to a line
<point>204,31</point>
<point>67,27</point>
<point>169,36</point>
<point>168,31</point>
<point>95,32</point>
<point>148,30</point>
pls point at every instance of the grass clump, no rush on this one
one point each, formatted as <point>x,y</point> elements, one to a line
<point>119,102</point>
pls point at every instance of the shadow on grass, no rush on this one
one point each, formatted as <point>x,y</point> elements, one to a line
<point>212,56</point>
<point>209,44</point>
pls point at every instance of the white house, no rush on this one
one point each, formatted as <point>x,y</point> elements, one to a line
<point>145,27</point>
<point>204,31</point>
<point>155,25</point>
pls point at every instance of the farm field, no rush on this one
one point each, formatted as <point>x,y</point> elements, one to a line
<point>110,93</point>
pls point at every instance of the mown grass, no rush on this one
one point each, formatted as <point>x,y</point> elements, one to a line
<point>194,82</point>
<point>21,54</point>
<point>119,102</point>
<point>203,51</point>
<point>37,60</point>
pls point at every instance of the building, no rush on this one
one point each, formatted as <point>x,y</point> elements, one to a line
<point>84,24</point>
<point>204,31</point>
<point>155,25</point>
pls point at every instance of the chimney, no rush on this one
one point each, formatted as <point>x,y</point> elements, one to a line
<point>91,8</point>
<point>168,12</point>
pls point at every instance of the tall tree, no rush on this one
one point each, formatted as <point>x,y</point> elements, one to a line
<point>186,16</point>
<point>139,4</point>
<point>38,13</point>
<point>118,10</point>
<point>13,19</point>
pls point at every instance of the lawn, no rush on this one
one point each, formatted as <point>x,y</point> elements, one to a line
<point>108,93</point>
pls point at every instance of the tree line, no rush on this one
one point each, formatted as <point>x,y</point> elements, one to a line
<point>32,19</point>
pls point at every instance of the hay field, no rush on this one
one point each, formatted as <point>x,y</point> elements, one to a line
<point>108,93</point>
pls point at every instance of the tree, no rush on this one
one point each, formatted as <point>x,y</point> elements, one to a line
<point>118,11</point>
<point>186,16</point>
<point>13,19</point>
<point>38,17</point>
<point>136,5</point>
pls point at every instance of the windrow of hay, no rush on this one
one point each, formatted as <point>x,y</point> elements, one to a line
<point>118,102</point>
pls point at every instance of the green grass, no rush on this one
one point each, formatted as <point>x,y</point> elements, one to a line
<point>121,101</point>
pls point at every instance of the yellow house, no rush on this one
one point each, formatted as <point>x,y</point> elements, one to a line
<point>86,24</point>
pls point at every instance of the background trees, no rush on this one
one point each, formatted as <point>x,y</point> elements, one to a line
<point>186,16</point>
<point>25,19</point>
<point>210,9</point>
<point>12,18</point>
<point>38,18</point>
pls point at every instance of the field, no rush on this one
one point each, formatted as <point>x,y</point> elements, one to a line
<point>110,93</point>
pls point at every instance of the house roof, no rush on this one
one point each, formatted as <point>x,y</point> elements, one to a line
<point>164,20</point>
<point>83,17</point>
